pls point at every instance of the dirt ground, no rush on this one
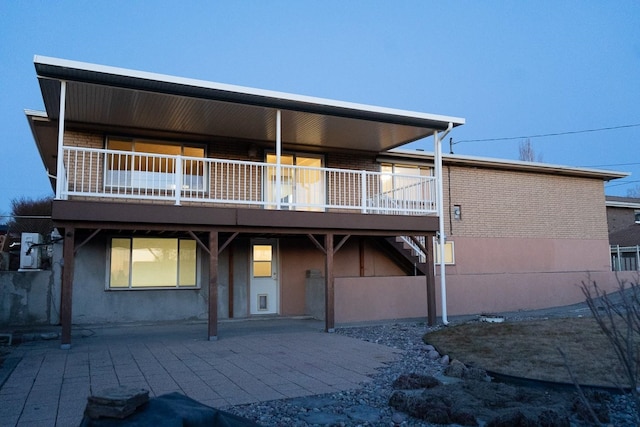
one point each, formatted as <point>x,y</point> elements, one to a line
<point>493,404</point>
<point>531,349</point>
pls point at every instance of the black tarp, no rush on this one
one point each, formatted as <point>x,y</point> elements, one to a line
<point>173,409</point>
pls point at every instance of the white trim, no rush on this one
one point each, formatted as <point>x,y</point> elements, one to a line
<point>60,172</point>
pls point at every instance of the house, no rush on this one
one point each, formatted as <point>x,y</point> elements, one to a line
<point>179,199</point>
<point>623,218</point>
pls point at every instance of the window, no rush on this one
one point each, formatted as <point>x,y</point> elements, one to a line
<point>301,182</point>
<point>262,258</point>
<point>152,165</point>
<point>147,262</point>
<point>449,252</point>
<point>404,186</point>
<point>637,216</point>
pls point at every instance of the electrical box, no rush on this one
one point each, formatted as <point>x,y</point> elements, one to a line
<point>29,254</point>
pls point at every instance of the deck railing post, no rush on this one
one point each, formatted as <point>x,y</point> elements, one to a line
<point>178,179</point>
<point>363,184</point>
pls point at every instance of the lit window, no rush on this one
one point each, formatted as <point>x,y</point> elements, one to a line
<point>152,263</point>
<point>449,252</point>
<point>152,165</point>
<point>262,258</point>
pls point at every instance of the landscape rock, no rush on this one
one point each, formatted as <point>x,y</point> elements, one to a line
<point>433,355</point>
<point>414,381</point>
<point>472,403</point>
<point>455,369</point>
<point>115,402</point>
<point>364,413</point>
<point>444,361</point>
<point>475,374</point>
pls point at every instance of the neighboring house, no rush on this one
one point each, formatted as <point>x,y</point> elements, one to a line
<point>623,217</point>
<point>180,199</point>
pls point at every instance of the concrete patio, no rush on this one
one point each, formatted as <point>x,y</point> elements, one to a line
<point>256,360</point>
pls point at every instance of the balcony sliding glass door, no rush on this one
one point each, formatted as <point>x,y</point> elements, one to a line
<point>302,184</point>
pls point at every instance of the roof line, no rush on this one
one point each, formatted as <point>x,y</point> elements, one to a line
<point>277,97</point>
<point>514,164</point>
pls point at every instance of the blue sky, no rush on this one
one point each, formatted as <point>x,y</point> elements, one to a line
<point>510,68</point>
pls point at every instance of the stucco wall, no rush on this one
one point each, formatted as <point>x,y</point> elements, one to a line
<point>361,299</point>
<point>26,298</point>
<point>92,304</point>
<point>512,291</point>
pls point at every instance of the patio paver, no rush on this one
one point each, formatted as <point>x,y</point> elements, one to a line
<point>252,361</point>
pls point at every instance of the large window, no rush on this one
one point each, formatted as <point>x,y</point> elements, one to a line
<point>152,165</point>
<point>147,262</point>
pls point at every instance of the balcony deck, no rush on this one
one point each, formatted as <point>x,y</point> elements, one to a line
<point>110,175</point>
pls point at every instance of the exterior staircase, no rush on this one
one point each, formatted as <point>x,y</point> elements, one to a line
<point>408,254</point>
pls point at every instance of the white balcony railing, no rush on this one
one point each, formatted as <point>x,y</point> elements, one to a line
<point>127,175</point>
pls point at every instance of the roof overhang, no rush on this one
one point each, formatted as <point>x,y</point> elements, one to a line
<point>111,97</point>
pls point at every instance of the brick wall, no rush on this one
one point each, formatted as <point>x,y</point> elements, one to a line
<point>502,203</point>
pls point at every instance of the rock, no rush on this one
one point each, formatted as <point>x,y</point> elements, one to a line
<point>433,355</point>
<point>444,361</point>
<point>414,381</point>
<point>364,413</point>
<point>475,374</point>
<point>397,418</point>
<point>434,410</point>
<point>511,419</point>
<point>429,347</point>
<point>324,418</point>
<point>455,369</point>
<point>116,402</point>
<point>49,335</point>
<point>519,418</point>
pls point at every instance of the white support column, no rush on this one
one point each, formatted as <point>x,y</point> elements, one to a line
<point>278,160</point>
<point>60,172</point>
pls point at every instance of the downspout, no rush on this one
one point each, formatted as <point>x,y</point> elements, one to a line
<point>60,173</point>
<point>441,235</point>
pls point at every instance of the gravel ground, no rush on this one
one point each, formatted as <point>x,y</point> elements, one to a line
<point>368,406</point>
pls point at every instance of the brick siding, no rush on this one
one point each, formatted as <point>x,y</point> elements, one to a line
<point>502,203</point>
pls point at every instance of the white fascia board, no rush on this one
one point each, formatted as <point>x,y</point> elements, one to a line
<point>628,205</point>
<point>105,69</point>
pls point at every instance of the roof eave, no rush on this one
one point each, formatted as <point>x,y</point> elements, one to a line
<point>62,69</point>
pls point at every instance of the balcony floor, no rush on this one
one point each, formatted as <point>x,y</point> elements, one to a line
<point>114,215</point>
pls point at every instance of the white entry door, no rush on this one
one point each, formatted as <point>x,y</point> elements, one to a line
<point>263,293</point>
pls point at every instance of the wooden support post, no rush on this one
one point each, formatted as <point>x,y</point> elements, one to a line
<point>231,282</point>
<point>431,283</point>
<point>213,286</point>
<point>66,289</point>
<point>329,298</point>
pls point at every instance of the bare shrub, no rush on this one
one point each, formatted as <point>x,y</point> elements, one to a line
<point>618,316</point>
